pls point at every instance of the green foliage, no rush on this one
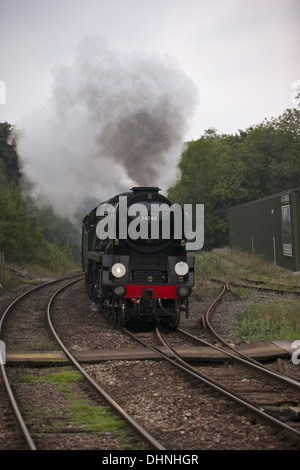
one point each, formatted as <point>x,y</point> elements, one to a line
<point>60,377</point>
<point>7,279</point>
<point>9,162</point>
<point>89,417</point>
<point>25,236</point>
<point>29,235</point>
<point>19,232</point>
<point>269,322</point>
<point>54,258</point>
<point>95,418</point>
<point>222,171</point>
<point>211,175</point>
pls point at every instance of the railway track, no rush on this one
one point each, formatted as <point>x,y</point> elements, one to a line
<point>265,388</point>
<point>142,377</point>
<point>220,384</point>
<point>240,356</point>
<point>20,310</point>
<point>211,379</point>
<point>259,286</point>
<point>134,424</point>
<point>15,407</point>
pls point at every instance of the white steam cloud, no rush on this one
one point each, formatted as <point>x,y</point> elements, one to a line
<point>114,120</point>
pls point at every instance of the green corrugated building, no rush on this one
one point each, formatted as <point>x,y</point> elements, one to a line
<point>270,226</point>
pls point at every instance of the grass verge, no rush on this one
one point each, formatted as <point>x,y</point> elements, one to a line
<point>272,321</point>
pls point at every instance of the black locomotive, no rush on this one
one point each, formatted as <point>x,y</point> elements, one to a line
<point>134,258</point>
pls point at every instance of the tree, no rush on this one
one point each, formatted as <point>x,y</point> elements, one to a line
<point>222,171</point>
<point>9,161</point>
<point>210,175</point>
<point>20,235</point>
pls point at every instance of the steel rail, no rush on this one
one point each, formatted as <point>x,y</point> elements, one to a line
<point>259,288</point>
<point>30,291</point>
<point>275,289</point>
<point>243,358</point>
<point>178,362</point>
<point>135,425</point>
<point>16,410</point>
<point>247,361</point>
<point>25,432</point>
<point>229,393</point>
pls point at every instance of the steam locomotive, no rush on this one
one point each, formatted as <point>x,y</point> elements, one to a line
<point>134,258</point>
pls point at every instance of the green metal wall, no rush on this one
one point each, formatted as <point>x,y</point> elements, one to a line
<point>270,226</point>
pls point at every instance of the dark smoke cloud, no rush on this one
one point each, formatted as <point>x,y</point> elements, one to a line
<point>113,120</point>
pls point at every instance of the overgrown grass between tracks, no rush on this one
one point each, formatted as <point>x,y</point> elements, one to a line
<point>82,412</point>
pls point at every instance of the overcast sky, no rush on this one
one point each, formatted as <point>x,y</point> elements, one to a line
<point>106,91</point>
<point>243,55</point>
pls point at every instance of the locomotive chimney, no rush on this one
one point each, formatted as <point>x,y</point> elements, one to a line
<point>145,189</point>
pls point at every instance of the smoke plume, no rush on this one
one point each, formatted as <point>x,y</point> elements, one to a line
<point>113,120</point>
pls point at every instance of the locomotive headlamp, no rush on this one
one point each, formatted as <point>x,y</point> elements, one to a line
<point>183,291</point>
<point>118,270</point>
<point>181,268</point>
<point>119,290</point>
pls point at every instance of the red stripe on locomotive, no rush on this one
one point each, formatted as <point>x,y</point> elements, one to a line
<point>159,291</point>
